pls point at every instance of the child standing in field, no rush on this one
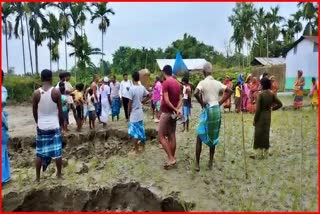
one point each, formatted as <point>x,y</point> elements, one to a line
<point>237,97</point>
<point>78,101</point>
<point>137,95</point>
<point>64,103</point>
<point>186,102</point>
<point>156,98</point>
<point>91,109</point>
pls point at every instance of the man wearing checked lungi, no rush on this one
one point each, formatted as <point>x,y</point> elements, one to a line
<point>207,94</point>
<point>47,113</point>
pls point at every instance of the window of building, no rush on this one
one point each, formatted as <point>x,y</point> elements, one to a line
<point>315,47</point>
<point>295,49</point>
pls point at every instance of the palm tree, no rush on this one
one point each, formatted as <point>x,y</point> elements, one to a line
<point>7,30</point>
<point>288,32</point>
<point>55,54</point>
<point>259,25</point>
<point>297,24</point>
<point>83,51</point>
<point>19,8</point>
<point>243,21</point>
<point>77,15</point>
<point>52,32</point>
<point>27,12</point>
<point>35,27</point>
<point>102,13</point>
<point>310,13</point>
<point>64,23</point>
<point>275,20</point>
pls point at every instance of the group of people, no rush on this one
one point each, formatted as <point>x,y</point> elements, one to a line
<point>171,101</point>
<point>247,91</point>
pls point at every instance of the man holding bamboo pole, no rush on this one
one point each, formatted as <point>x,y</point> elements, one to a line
<point>207,94</point>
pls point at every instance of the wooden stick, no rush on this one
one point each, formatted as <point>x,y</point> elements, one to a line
<point>224,135</point>
<point>301,160</point>
<point>244,149</point>
<point>243,146</point>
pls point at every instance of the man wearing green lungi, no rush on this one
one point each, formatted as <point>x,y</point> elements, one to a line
<point>207,94</point>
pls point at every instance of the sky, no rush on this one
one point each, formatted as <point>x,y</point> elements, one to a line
<point>149,25</point>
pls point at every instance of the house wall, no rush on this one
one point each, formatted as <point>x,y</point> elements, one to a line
<point>304,59</point>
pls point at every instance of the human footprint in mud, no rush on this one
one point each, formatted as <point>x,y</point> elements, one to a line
<point>207,94</point>
<point>48,115</point>
<point>138,95</point>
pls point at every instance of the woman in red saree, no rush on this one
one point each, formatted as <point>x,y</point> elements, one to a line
<point>254,92</point>
<point>227,103</point>
<point>274,85</point>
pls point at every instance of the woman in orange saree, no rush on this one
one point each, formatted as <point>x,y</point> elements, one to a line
<point>227,103</point>
<point>254,92</point>
<point>298,91</point>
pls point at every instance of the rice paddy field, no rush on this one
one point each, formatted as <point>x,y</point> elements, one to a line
<point>99,163</point>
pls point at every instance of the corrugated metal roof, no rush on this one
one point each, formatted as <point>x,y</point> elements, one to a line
<point>270,61</point>
<point>192,64</point>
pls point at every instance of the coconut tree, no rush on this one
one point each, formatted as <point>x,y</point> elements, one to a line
<point>64,24</point>
<point>259,26</point>
<point>37,20</point>
<point>19,29</point>
<point>310,13</point>
<point>275,19</point>
<point>7,10</point>
<point>288,32</point>
<point>83,51</point>
<point>101,12</point>
<point>52,32</point>
<point>55,56</point>
<point>297,24</point>
<point>27,12</point>
<point>78,17</point>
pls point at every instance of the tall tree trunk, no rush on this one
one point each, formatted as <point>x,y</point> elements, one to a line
<point>267,46</point>
<point>6,29</point>
<point>102,63</point>
<point>65,49</point>
<point>102,45</point>
<point>75,58</point>
<point>58,66</point>
<point>50,50</point>
<point>28,34</point>
<point>36,57</point>
<point>23,53</point>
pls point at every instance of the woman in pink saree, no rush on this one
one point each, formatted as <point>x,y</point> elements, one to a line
<point>227,103</point>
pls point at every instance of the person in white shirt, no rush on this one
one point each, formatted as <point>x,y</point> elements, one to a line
<point>124,93</point>
<point>105,101</point>
<point>207,94</point>
<point>115,97</point>
<point>138,95</point>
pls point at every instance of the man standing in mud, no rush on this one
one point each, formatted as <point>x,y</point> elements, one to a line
<point>47,113</point>
<point>170,108</point>
<point>207,94</point>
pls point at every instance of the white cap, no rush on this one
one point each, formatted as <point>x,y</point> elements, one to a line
<point>105,79</point>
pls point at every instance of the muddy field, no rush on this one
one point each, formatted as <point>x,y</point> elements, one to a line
<point>100,174</point>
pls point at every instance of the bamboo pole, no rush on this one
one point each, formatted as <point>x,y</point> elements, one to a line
<point>224,135</point>
<point>301,160</point>
<point>243,146</point>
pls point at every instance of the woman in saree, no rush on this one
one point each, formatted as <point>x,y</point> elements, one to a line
<point>254,92</point>
<point>314,93</point>
<point>245,93</point>
<point>298,90</point>
<point>5,156</point>
<point>227,103</point>
<point>274,85</point>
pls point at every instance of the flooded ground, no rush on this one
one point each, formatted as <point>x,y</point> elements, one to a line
<point>100,174</point>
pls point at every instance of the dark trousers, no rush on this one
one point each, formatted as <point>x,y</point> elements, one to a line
<point>125,102</point>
